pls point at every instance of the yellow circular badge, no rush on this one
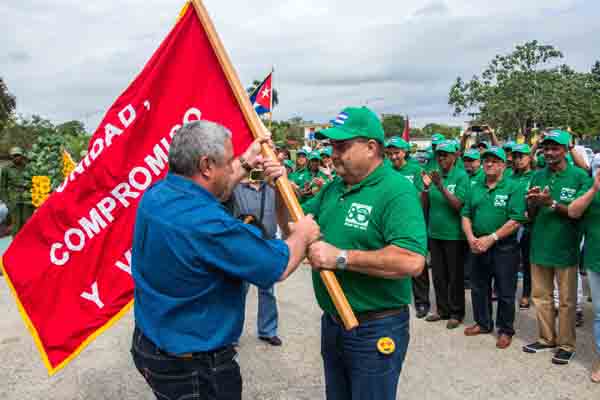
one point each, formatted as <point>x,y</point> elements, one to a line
<point>386,345</point>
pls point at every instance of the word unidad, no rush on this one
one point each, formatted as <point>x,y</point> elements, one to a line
<point>138,180</point>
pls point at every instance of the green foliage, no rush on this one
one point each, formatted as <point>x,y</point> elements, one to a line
<point>45,157</point>
<point>7,105</point>
<point>525,89</point>
<point>76,138</point>
<point>393,125</point>
<point>23,132</point>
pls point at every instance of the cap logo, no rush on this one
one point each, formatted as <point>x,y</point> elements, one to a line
<point>552,134</point>
<point>340,119</point>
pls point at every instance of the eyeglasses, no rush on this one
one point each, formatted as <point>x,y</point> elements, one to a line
<point>340,146</point>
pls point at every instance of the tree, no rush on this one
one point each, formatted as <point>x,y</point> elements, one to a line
<point>23,132</point>
<point>256,84</point>
<point>75,137</point>
<point>446,130</point>
<point>7,105</point>
<point>393,124</point>
<point>511,92</point>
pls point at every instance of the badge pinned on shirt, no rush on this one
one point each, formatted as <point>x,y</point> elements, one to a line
<point>386,345</point>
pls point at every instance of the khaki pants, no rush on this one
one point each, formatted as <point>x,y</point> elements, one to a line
<point>542,279</point>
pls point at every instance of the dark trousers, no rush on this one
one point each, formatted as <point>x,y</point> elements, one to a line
<point>501,262</point>
<point>206,376</point>
<point>448,268</point>
<point>524,245</point>
<point>420,286</point>
<point>354,367</point>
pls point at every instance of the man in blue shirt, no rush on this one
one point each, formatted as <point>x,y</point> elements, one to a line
<point>190,258</point>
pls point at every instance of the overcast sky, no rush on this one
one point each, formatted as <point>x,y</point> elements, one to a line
<point>70,59</point>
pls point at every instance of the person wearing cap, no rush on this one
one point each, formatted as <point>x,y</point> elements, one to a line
<point>432,164</point>
<point>447,189</point>
<point>314,178</point>
<point>328,168</point>
<point>587,208</point>
<point>472,163</point>
<point>301,175</point>
<point>396,150</point>
<point>374,237</point>
<point>522,176</point>
<point>493,212</point>
<point>289,166</point>
<point>14,188</point>
<point>554,251</point>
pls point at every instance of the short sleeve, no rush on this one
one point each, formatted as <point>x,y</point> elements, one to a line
<point>467,205</point>
<point>313,205</point>
<point>585,184</point>
<point>418,179</point>
<point>517,207</point>
<point>262,262</point>
<point>403,223</point>
<point>462,187</point>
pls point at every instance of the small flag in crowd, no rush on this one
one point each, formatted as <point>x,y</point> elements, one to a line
<point>262,97</point>
<point>406,132</point>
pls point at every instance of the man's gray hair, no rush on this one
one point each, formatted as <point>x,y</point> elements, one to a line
<point>195,140</point>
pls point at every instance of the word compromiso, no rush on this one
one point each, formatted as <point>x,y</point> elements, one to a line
<point>138,180</point>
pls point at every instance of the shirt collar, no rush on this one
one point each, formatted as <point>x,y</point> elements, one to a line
<point>373,178</point>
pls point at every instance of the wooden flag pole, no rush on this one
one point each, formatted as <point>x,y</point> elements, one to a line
<point>283,185</point>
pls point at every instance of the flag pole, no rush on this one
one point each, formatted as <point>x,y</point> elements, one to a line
<point>271,99</point>
<point>283,185</point>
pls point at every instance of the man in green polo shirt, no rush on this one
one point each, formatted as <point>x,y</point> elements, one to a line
<point>396,150</point>
<point>493,212</point>
<point>588,206</point>
<point>555,240</point>
<point>447,189</point>
<point>522,176</point>
<point>374,238</point>
<point>472,162</point>
<point>432,164</point>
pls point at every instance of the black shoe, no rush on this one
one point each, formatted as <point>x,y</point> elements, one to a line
<point>273,340</point>
<point>422,311</point>
<point>579,319</point>
<point>562,357</point>
<point>435,318</point>
<point>537,347</point>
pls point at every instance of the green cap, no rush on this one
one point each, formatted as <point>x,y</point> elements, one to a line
<point>16,151</point>
<point>301,152</point>
<point>521,148</point>
<point>557,136</point>
<point>398,142</point>
<point>496,152</point>
<point>314,155</point>
<point>289,164</point>
<point>447,146</point>
<point>327,151</point>
<point>354,122</point>
<point>473,154</point>
<point>437,138</point>
<point>509,145</point>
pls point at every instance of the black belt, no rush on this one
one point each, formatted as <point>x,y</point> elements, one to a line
<point>374,315</point>
<point>217,356</point>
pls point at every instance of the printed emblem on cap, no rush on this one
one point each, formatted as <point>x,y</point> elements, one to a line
<point>341,119</point>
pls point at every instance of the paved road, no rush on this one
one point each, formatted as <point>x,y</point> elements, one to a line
<point>440,364</point>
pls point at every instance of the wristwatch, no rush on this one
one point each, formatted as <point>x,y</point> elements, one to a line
<point>554,204</point>
<point>341,262</point>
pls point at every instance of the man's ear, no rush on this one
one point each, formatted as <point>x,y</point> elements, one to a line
<point>205,166</point>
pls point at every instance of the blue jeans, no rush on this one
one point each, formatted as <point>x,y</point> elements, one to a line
<point>594,280</point>
<point>500,262</point>
<point>354,368</point>
<point>266,320</point>
<point>204,376</point>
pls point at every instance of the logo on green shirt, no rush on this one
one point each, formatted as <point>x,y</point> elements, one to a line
<point>358,216</point>
<point>567,194</point>
<point>451,188</point>
<point>500,200</point>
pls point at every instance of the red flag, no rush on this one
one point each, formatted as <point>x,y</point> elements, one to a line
<point>406,132</point>
<point>69,267</point>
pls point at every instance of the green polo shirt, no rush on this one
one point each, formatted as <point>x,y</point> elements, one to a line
<point>412,172</point>
<point>432,164</point>
<point>303,176</point>
<point>591,226</point>
<point>489,209</point>
<point>444,221</point>
<point>382,210</point>
<point>478,176</point>
<point>508,172</point>
<point>523,179</point>
<point>555,239</point>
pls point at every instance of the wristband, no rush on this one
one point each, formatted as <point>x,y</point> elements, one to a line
<point>495,236</point>
<point>554,204</point>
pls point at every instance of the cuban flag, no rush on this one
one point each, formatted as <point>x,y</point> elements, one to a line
<point>262,97</point>
<point>340,119</point>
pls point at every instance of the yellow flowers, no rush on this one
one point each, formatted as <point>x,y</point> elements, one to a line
<point>68,164</point>
<point>40,190</point>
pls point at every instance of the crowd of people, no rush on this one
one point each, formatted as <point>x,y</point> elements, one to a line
<point>481,215</point>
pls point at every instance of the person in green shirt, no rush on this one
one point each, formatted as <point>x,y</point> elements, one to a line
<point>587,207</point>
<point>328,168</point>
<point>301,176</point>
<point>493,212</point>
<point>554,251</point>
<point>472,162</point>
<point>314,178</point>
<point>374,239</point>
<point>447,188</point>
<point>522,176</point>
<point>396,150</point>
<point>14,190</point>
<point>432,163</point>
